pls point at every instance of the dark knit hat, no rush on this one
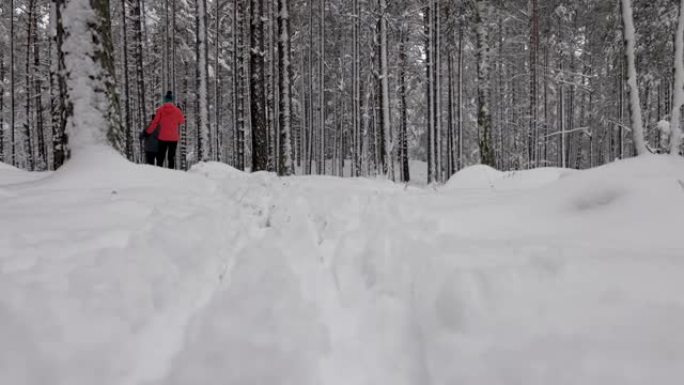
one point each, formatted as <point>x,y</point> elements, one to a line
<point>168,97</point>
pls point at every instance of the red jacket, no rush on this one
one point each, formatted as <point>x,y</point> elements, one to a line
<point>168,117</point>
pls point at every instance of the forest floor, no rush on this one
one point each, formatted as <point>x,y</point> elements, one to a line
<point>114,273</point>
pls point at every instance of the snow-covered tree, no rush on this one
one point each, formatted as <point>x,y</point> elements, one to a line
<point>91,89</point>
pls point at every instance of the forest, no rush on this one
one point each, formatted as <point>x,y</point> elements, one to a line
<point>345,87</point>
<point>346,192</point>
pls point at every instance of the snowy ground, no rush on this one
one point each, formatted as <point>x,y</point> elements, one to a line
<point>112,273</point>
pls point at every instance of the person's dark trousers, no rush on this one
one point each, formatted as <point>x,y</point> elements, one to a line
<point>167,150</point>
<point>150,157</point>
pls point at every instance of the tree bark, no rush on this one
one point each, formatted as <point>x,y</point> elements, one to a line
<point>257,92</point>
<point>285,90</point>
<point>484,119</point>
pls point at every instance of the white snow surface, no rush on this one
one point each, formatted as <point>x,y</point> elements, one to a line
<point>114,273</point>
<point>485,177</point>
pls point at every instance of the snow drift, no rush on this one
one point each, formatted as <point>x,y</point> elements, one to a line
<point>113,273</point>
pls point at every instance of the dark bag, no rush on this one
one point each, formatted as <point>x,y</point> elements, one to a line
<point>152,141</point>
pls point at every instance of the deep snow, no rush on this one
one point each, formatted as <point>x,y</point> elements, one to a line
<point>113,273</point>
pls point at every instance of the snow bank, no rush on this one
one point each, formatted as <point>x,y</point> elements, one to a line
<point>483,177</point>
<point>137,275</point>
<point>12,175</point>
<point>217,171</point>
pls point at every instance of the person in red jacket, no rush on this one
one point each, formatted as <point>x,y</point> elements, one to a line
<point>168,118</point>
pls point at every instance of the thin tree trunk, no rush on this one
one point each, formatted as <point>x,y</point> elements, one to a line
<point>239,14</point>
<point>356,91</point>
<point>184,145</point>
<point>217,81</point>
<point>126,86</point>
<point>561,103</point>
<point>321,88</point>
<point>429,58</point>
<point>437,79</point>
<point>139,61</point>
<point>12,87</point>
<point>28,145</point>
<point>38,89</point>
<point>403,140</point>
<point>459,102</point>
<point>388,160</point>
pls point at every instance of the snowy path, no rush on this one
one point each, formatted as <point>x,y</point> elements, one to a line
<point>142,276</point>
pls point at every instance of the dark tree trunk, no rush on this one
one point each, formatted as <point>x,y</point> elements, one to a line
<point>257,91</point>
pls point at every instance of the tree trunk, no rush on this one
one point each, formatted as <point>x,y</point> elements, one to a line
<point>139,61</point>
<point>387,159</point>
<point>403,133</point>
<point>257,92</point>
<point>28,145</point>
<point>534,49</point>
<point>127,102</point>
<point>91,86</point>
<point>429,58</point>
<point>61,107</point>
<point>634,103</point>
<point>41,161</point>
<point>321,88</point>
<point>202,118</point>
<point>12,87</point>
<point>239,14</point>
<point>484,119</point>
<point>678,94</point>
<point>285,89</point>
<point>459,102</point>
<point>356,91</point>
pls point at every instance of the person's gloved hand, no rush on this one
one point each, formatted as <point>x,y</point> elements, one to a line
<point>143,135</point>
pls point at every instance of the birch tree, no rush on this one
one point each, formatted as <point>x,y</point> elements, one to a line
<point>484,119</point>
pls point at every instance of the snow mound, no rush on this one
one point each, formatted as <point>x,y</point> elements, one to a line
<point>11,176</point>
<point>217,171</point>
<point>479,176</point>
<point>485,177</point>
<point>7,167</point>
